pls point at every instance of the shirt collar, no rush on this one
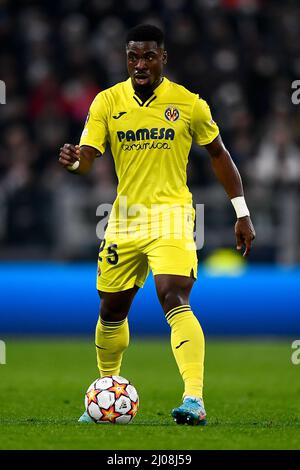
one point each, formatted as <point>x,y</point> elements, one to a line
<point>157,93</point>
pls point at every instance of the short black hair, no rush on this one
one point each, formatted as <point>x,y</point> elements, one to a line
<point>146,32</point>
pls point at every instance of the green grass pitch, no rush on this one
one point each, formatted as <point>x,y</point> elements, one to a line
<point>252,394</point>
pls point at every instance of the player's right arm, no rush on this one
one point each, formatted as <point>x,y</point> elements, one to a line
<point>79,158</point>
<point>84,155</point>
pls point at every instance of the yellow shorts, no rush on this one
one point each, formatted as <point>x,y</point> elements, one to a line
<point>126,262</point>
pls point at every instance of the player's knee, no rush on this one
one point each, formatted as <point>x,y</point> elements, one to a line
<point>170,299</point>
<point>116,306</point>
<point>112,312</point>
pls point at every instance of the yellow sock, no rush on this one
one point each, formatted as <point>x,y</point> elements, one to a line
<point>112,338</point>
<point>187,341</point>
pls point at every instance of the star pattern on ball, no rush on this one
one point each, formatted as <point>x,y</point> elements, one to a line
<point>134,408</point>
<point>110,414</point>
<point>92,396</point>
<point>118,389</point>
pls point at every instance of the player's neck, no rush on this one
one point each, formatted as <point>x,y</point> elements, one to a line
<point>144,93</point>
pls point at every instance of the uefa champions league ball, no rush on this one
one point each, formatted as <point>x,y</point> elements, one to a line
<point>111,399</point>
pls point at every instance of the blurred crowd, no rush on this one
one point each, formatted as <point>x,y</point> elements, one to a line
<point>240,55</point>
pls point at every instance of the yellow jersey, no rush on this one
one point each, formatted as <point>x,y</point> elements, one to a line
<point>150,142</point>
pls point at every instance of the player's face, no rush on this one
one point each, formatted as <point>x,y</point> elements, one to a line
<point>145,61</point>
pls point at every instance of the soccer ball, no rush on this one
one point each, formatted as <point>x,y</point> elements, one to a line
<point>111,399</point>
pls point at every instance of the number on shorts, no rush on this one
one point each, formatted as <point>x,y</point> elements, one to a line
<point>114,258</point>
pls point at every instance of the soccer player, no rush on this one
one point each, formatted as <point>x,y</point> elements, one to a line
<point>149,123</point>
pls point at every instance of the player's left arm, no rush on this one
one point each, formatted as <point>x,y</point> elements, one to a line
<point>228,174</point>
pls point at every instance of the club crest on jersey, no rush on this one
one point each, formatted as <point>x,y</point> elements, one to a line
<point>172,114</point>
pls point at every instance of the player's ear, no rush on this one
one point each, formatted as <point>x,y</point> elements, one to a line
<point>165,57</point>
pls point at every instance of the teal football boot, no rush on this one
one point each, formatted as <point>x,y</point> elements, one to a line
<point>191,412</point>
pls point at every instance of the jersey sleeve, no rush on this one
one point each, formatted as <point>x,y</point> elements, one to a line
<point>95,129</point>
<point>203,128</point>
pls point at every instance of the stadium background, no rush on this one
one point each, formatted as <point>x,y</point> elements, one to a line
<point>241,56</point>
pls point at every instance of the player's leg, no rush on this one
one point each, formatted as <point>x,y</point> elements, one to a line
<point>112,332</point>
<point>187,341</point>
<point>122,269</point>
<point>187,337</point>
<point>173,261</point>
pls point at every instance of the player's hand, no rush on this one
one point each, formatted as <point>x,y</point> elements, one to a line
<point>68,155</point>
<point>244,233</point>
